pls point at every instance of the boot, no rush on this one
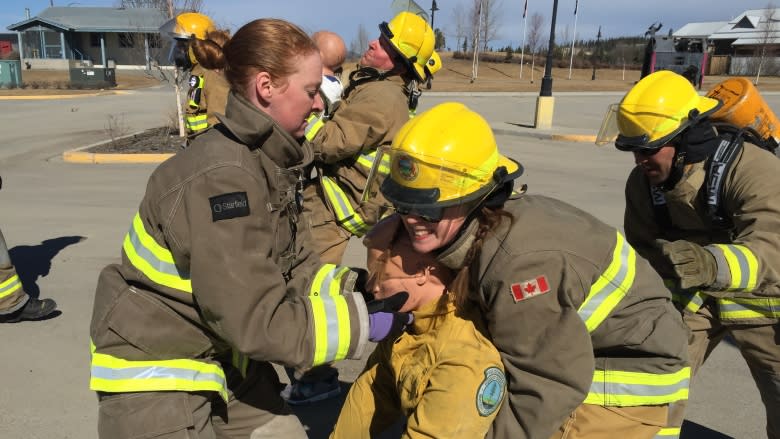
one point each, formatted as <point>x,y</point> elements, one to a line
<point>34,309</point>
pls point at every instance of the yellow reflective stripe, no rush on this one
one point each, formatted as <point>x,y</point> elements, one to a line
<point>611,286</point>
<point>10,286</point>
<point>197,122</point>
<point>752,308</point>
<point>116,375</point>
<point>331,315</point>
<point>152,259</point>
<point>742,266</point>
<point>313,127</point>
<point>345,214</point>
<point>668,433</point>
<point>691,301</point>
<point>631,389</point>
<point>367,161</point>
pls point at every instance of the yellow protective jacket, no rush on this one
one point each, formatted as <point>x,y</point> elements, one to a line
<point>207,97</point>
<point>577,316</point>
<point>215,269</point>
<point>747,285</point>
<point>371,112</point>
<point>442,375</point>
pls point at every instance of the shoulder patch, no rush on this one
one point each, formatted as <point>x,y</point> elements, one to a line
<point>491,392</point>
<point>228,206</point>
<point>530,288</point>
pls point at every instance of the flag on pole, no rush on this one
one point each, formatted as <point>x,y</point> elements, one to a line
<point>525,10</point>
<point>576,4</point>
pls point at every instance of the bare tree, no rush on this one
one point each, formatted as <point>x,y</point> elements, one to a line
<point>360,43</point>
<point>535,32</point>
<point>484,16</point>
<point>767,38</point>
<point>461,21</point>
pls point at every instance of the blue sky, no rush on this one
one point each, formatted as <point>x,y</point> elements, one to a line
<point>617,17</point>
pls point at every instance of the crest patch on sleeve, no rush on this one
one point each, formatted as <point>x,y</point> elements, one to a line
<point>226,206</point>
<point>491,392</point>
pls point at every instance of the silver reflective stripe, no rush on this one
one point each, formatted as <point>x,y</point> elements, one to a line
<point>151,259</point>
<point>155,372</point>
<point>331,312</point>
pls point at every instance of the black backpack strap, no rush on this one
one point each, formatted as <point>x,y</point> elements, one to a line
<point>660,209</point>
<point>718,166</point>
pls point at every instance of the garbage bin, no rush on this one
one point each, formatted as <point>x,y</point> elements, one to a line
<point>10,73</point>
<point>86,76</point>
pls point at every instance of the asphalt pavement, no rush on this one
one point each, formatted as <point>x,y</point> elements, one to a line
<point>64,221</point>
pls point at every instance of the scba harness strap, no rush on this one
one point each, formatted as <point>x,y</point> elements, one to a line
<point>717,167</point>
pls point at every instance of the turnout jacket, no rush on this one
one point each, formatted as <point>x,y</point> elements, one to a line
<point>215,269</point>
<point>747,251</point>
<point>207,97</point>
<point>576,315</point>
<point>345,146</point>
<point>442,374</point>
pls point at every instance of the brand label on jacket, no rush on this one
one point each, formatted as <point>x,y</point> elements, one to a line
<point>228,206</point>
<point>530,288</point>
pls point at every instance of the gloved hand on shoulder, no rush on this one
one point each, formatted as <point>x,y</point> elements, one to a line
<point>384,318</point>
<point>330,91</point>
<point>692,263</point>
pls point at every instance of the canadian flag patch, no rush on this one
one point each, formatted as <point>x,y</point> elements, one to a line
<point>530,288</point>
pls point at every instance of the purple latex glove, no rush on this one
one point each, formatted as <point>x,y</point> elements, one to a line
<point>382,324</point>
<point>384,318</point>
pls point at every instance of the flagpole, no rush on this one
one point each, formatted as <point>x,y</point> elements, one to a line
<point>522,50</point>
<point>574,38</point>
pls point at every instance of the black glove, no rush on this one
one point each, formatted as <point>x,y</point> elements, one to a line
<point>384,318</point>
<point>692,264</point>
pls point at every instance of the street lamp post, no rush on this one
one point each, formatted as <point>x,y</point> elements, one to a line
<point>547,80</point>
<point>545,103</point>
<point>434,8</point>
<point>595,55</point>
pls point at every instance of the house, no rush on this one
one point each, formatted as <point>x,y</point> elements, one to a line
<point>124,37</point>
<point>735,45</point>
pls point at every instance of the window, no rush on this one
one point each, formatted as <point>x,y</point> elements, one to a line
<point>155,42</point>
<point>126,40</point>
<point>94,39</point>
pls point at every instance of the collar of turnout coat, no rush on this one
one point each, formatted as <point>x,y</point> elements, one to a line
<point>256,129</point>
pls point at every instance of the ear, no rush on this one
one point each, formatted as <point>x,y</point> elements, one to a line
<point>263,86</point>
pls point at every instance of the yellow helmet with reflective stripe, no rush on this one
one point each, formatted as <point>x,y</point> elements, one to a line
<point>188,24</point>
<point>444,157</point>
<point>657,109</point>
<point>412,38</point>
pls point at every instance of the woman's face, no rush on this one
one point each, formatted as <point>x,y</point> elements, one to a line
<point>427,236</point>
<point>294,98</point>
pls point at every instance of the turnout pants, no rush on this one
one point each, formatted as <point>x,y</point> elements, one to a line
<point>12,295</point>
<point>329,239</point>
<point>254,410</point>
<point>590,421</point>
<point>759,346</point>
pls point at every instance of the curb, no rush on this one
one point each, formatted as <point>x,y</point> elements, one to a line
<point>73,96</point>
<point>581,138</point>
<point>78,155</point>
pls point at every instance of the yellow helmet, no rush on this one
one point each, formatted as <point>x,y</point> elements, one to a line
<point>188,25</point>
<point>654,111</point>
<point>433,65</point>
<point>445,157</point>
<point>412,38</point>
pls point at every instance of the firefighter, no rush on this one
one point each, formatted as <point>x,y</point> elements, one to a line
<point>15,304</point>
<point>375,105</point>
<point>442,374</point>
<point>589,338</point>
<point>216,278</point>
<point>197,43</point>
<point>702,206</point>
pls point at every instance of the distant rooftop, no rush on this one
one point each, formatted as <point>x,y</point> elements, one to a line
<point>94,19</point>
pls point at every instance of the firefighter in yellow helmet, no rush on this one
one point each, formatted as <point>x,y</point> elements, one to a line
<point>197,44</point>
<point>702,205</point>
<point>376,102</point>
<point>586,330</point>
